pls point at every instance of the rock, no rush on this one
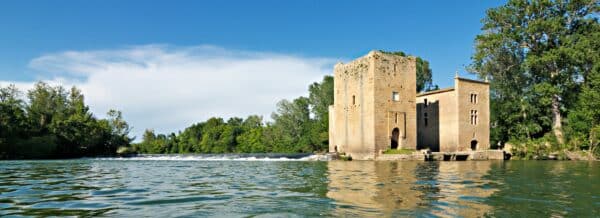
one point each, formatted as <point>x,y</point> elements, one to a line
<point>508,148</point>
<point>125,151</point>
<point>579,155</point>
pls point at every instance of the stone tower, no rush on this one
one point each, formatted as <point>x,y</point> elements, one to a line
<point>374,105</point>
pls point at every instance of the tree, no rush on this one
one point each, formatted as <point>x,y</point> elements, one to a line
<point>584,121</point>
<point>292,120</point>
<point>320,98</point>
<point>531,51</point>
<point>251,138</point>
<point>55,123</point>
<point>119,128</point>
<point>45,104</point>
<point>13,120</point>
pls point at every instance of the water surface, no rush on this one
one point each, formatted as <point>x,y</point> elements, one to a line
<point>173,187</point>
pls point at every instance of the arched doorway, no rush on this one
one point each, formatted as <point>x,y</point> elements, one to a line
<point>395,137</point>
<point>473,144</point>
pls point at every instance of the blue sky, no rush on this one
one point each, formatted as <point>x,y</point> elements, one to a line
<point>47,40</point>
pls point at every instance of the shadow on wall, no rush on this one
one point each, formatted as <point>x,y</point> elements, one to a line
<point>428,126</point>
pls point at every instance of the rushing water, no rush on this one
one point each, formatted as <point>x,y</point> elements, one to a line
<point>275,187</point>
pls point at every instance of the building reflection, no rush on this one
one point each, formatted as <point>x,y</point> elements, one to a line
<point>405,188</point>
<point>465,188</point>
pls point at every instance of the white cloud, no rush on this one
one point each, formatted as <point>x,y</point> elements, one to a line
<point>167,88</point>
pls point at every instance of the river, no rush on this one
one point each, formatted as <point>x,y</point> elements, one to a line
<point>171,186</point>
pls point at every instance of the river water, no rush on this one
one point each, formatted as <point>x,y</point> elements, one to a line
<point>168,186</point>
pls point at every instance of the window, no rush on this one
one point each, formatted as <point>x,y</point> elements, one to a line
<point>473,117</point>
<point>473,98</point>
<point>353,100</point>
<point>425,103</point>
<point>425,119</point>
<point>395,96</point>
<point>396,118</point>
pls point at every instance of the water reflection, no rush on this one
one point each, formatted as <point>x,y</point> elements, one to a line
<point>411,188</point>
<point>249,188</point>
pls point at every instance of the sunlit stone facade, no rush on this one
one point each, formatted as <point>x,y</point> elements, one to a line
<point>375,109</point>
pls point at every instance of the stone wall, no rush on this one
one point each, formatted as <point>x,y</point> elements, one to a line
<point>352,120</point>
<point>364,115</point>
<point>441,131</point>
<point>479,132</point>
<point>449,111</point>
<point>395,74</point>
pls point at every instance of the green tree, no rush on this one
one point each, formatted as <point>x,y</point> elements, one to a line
<point>320,98</point>
<point>212,130</point>
<point>13,120</point>
<point>530,51</point>
<point>292,120</point>
<point>584,121</point>
<point>45,104</point>
<point>251,138</point>
<point>54,123</point>
<point>119,129</point>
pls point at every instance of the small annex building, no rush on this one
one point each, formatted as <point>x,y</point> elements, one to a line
<point>376,107</point>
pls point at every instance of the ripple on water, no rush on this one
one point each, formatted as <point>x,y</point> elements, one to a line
<point>116,191</point>
<point>174,200</point>
<point>157,188</point>
<point>69,205</point>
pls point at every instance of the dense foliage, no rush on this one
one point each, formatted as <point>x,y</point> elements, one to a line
<point>55,123</point>
<point>542,58</point>
<point>300,125</point>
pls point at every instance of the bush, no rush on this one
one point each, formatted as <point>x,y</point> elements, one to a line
<point>399,151</point>
<point>36,147</point>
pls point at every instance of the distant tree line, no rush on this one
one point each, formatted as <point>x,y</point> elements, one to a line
<point>543,62</point>
<point>52,122</point>
<point>300,125</point>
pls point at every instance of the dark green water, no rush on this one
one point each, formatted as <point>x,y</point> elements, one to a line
<point>196,187</point>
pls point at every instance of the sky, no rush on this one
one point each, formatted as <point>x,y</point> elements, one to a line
<point>169,64</point>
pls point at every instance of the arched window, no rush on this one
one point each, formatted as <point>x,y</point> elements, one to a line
<point>473,98</point>
<point>473,117</point>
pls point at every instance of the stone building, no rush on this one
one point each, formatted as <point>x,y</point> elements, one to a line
<point>374,105</point>
<point>375,109</point>
<point>454,119</point>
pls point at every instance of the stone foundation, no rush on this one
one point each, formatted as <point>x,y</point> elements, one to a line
<point>445,156</point>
